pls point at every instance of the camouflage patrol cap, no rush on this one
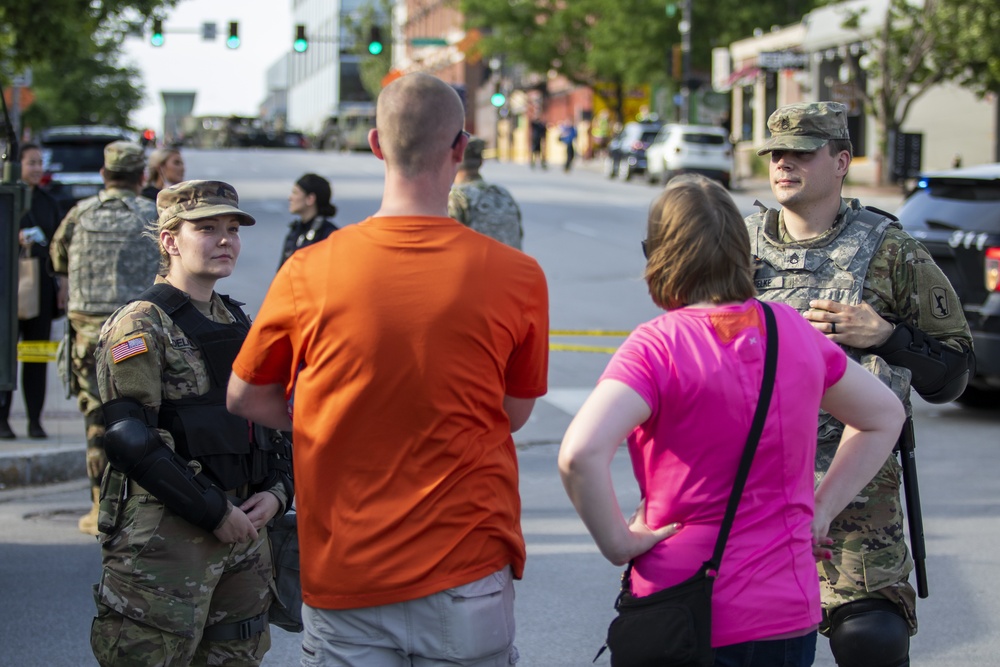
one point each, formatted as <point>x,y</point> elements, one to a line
<point>124,157</point>
<point>194,200</point>
<point>473,157</point>
<point>805,127</point>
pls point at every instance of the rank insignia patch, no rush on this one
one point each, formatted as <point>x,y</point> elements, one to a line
<point>129,348</point>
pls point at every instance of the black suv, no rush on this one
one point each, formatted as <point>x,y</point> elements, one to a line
<point>73,157</point>
<point>956,215</point>
<point>627,149</point>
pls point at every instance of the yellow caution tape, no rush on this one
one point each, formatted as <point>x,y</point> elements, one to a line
<point>587,332</point>
<point>564,347</point>
<point>37,351</point>
<point>571,347</point>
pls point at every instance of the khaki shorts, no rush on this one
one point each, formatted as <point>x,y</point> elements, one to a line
<point>470,625</point>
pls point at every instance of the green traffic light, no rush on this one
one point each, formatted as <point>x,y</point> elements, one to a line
<point>498,99</point>
<point>233,42</point>
<point>375,48</point>
<point>300,45</point>
<point>156,39</point>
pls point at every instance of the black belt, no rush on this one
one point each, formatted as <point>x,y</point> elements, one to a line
<point>224,632</point>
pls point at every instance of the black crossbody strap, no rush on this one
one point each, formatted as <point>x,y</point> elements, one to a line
<point>759,417</point>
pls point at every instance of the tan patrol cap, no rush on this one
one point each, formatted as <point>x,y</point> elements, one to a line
<point>195,200</point>
<point>124,157</point>
<point>473,156</point>
<point>806,127</point>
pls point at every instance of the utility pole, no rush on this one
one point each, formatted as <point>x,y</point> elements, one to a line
<point>685,29</point>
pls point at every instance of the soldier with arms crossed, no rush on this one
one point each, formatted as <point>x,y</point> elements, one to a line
<point>870,287</point>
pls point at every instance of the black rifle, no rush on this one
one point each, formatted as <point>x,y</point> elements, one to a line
<point>915,520</point>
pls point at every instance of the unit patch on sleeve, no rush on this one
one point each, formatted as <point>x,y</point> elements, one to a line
<point>129,348</point>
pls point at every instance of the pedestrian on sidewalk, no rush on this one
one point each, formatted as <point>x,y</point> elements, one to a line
<point>103,261</point>
<point>868,286</point>
<point>165,168</point>
<point>567,135</point>
<point>187,572</point>
<point>416,347</point>
<point>37,227</point>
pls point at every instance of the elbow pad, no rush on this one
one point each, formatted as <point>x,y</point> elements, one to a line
<point>136,450</point>
<point>939,373</point>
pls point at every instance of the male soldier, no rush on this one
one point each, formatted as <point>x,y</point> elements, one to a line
<point>101,250</point>
<point>489,209</point>
<point>415,347</point>
<point>861,280</point>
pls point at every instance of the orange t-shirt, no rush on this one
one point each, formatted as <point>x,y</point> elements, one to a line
<point>401,336</point>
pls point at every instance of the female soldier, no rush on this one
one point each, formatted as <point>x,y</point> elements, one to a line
<point>187,569</point>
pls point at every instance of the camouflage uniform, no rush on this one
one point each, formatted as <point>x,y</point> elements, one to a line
<point>100,246</point>
<point>165,580</point>
<point>864,256</point>
<point>489,209</point>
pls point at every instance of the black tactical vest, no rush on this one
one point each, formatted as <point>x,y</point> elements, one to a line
<point>202,428</point>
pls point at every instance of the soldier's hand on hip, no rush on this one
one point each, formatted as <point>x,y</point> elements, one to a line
<point>855,326</point>
<point>236,527</point>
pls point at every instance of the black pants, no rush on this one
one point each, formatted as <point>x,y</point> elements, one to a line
<point>33,376</point>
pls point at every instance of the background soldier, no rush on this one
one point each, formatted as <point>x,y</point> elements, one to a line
<point>100,248</point>
<point>870,287</point>
<point>487,208</point>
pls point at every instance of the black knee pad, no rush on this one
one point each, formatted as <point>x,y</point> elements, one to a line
<point>869,633</point>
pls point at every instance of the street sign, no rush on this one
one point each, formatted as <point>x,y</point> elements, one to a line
<point>777,60</point>
<point>428,41</point>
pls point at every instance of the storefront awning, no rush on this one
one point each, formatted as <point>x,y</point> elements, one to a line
<point>744,76</point>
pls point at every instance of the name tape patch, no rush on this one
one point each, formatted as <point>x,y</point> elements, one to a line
<point>129,348</point>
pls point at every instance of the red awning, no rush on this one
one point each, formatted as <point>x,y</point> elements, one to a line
<point>744,76</point>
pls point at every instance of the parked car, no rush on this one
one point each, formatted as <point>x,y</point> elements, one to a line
<point>698,149</point>
<point>73,156</point>
<point>627,150</point>
<point>956,215</point>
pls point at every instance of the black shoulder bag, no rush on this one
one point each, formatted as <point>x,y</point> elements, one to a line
<point>673,627</point>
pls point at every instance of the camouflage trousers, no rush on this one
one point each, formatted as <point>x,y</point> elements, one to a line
<point>165,580</point>
<point>870,558</point>
<point>83,364</point>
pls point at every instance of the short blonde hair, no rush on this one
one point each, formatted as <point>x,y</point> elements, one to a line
<point>697,245</point>
<point>153,230</point>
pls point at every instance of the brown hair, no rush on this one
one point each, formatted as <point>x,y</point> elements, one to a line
<point>698,246</point>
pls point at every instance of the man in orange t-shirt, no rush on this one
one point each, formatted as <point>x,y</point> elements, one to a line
<point>415,347</point>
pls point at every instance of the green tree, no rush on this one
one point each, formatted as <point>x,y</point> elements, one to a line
<point>373,68</point>
<point>918,46</point>
<point>74,50</point>
<point>623,42</point>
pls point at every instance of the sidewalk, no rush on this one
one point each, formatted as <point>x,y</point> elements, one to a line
<point>58,458</point>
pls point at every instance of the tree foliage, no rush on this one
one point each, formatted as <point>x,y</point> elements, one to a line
<point>624,41</point>
<point>373,68</point>
<point>73,48</point>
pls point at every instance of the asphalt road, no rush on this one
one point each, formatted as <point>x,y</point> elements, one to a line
<point>585,232</point>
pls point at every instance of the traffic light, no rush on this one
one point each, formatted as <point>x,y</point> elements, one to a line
<point>156,39</point>
<point>301,43</point>
<point>498,99</point>
<point>233,41</point>
<point>375,40</point>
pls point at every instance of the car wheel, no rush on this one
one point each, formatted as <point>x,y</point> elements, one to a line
<point>624,170</point>
<point>976,398</point>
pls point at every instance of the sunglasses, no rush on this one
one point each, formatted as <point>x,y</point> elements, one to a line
<point>458,137</point>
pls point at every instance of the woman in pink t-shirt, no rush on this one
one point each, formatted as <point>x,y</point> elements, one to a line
<point>682,390</point>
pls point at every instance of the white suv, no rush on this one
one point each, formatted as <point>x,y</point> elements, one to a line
<point>699,149</point>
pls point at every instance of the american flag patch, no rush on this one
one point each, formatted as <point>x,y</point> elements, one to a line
<point>129,348</point>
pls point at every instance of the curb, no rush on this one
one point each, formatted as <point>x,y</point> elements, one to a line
<point>34,465</point>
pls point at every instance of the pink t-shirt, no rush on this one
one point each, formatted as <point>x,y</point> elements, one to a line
<point>700,371</point>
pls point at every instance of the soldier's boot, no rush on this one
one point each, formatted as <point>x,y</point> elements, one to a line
<point>88,522</point>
